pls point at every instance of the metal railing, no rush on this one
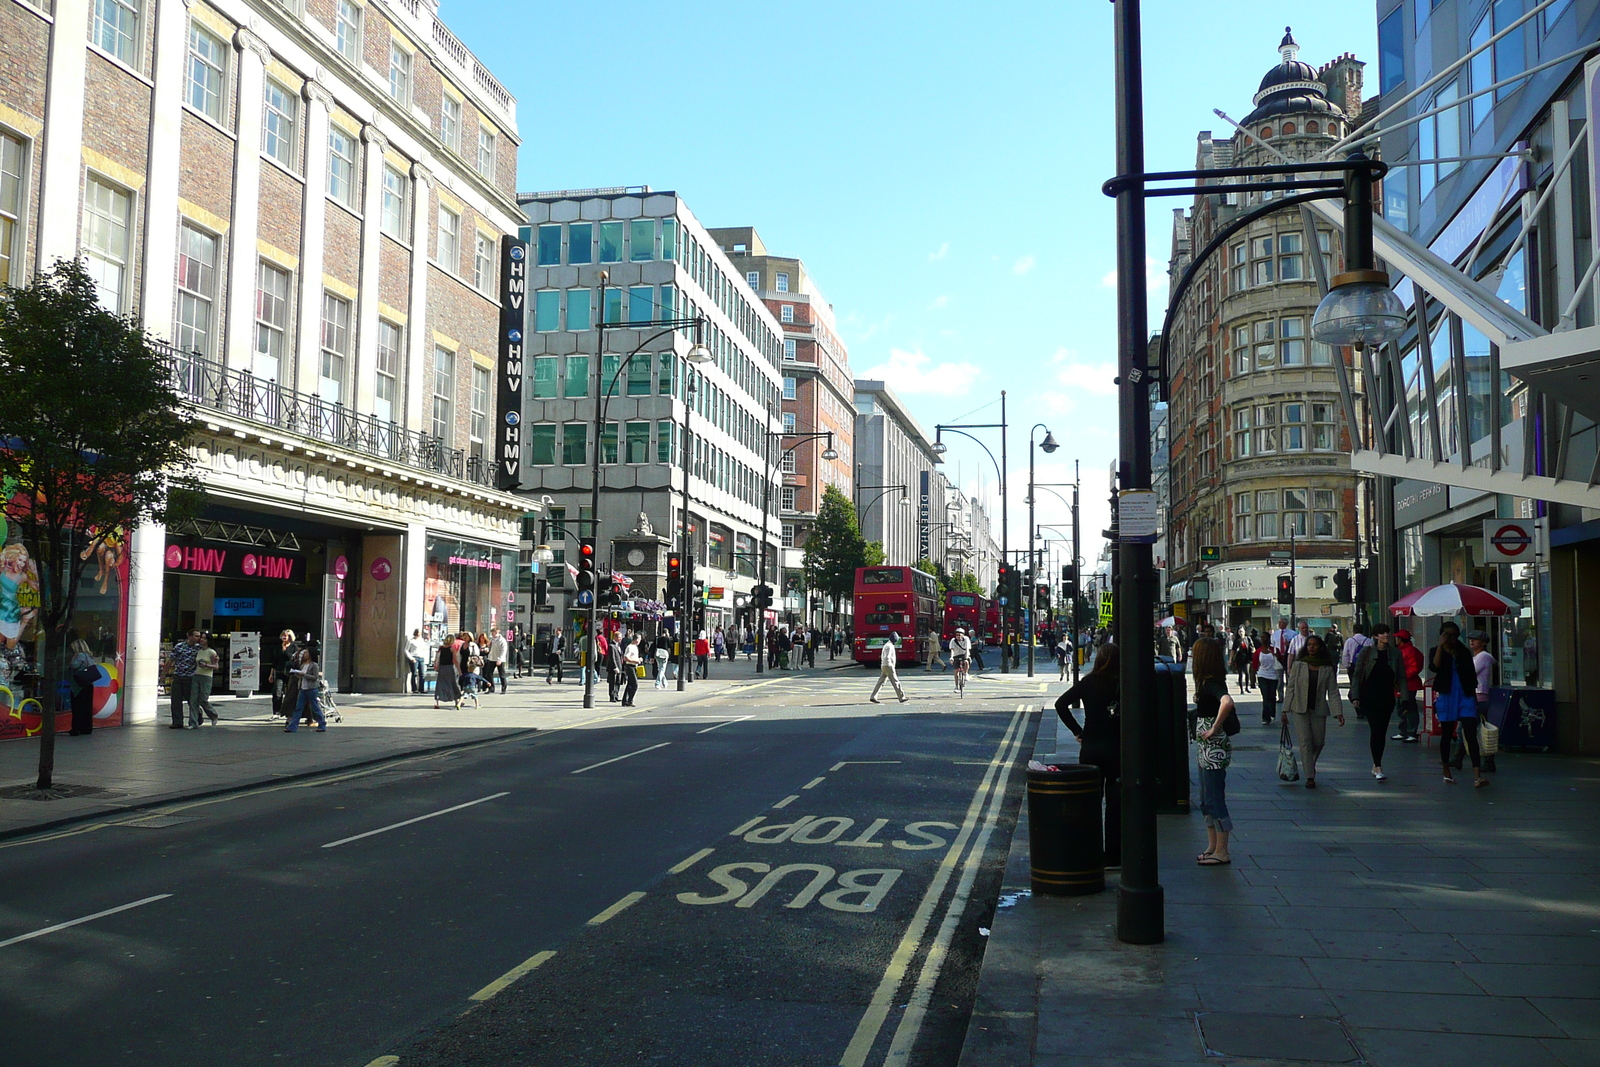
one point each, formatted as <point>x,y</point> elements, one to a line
<point>207,384</point>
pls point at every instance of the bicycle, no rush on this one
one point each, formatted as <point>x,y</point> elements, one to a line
<point>960,668</point>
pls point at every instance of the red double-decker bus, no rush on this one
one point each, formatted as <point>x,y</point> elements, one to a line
<point>972,611</point>
<point>900,600</point>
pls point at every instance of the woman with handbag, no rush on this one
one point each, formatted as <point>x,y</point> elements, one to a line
<point>1375,678</point>
<point>1100,738</point>
<point>1310,695</point>
<point>1455,700</point>
<point>444,666</point>
<point>1216,721</point>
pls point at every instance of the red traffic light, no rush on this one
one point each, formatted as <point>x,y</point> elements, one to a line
<point>586,550</point>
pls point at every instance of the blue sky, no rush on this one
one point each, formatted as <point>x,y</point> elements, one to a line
<point>937,166</point>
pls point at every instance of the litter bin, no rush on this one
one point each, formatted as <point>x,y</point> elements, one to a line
<point>1065,849</point>
<point>1171,739</point>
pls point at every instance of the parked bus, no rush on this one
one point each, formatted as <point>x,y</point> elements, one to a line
<point>900,600</point>
<point>973,612</point>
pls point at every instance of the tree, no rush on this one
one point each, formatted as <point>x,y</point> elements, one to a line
<point>835,548</point>
<point>94,444</point>
<point>965,582</point>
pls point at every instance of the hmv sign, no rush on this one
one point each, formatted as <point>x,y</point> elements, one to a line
<point>235,561</point>
<point>513,321</point>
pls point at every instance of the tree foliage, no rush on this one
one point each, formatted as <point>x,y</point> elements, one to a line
<point>94,443</point>
<point>835,548</point>
<point>964,582</point>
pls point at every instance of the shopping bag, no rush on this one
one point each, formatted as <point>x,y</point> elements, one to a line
<point>1488,737</point>
<point>1288,762</point>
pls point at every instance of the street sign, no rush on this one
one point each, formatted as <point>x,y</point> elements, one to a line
<point>1278,556</point>
<point>1510,540</point>
<point>1138,517</point>
<point>1210,553</point>
<point>1105,609</point>
<point>585,597</point>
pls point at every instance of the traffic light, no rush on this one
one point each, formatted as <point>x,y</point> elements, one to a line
<point>674,577</point>
<point>586,575</point>
<point>700,589</point>
<point>1069,580</point>
<point>1341,585</point>
<point>541,591</point>
<point>1041,596</point>
<point>1285,589</point>
<point>1003,581</point>
<point>1364,594</point>
<point>612,595</point>
<point>761,596</point>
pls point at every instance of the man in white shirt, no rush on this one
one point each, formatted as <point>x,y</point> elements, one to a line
<point>1352,649</point>
<point>496,663</point>
<point>960,649</point>
<point>886,672</point>
<point>417,659</point>
<point>1281,638</point>
<point>1298,641</point>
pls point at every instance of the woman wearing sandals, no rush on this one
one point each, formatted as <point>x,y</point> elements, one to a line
<point>1213,749</point>
<point>1310,695</point>
<point>1455,699</point>
<point>1375,679</point>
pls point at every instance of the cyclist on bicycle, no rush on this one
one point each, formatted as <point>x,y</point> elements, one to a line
<point>960,652</point>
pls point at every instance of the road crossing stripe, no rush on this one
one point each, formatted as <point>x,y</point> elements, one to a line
<point>614,759</point>
<point>691,861</point>
<point>622,905</point>
<point>867,1031</point>
<point>786,801</point>
<point>419,818</point>
<point>78,922</point>
<point>504,980</point>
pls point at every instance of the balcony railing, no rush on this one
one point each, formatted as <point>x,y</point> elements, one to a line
<point>207,384</point>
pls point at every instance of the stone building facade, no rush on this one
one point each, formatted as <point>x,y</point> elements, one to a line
<point>1259,446</point>
<point>306,199</point>
<point>893,450</point>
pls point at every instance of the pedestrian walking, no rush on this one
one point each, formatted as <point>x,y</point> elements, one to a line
<point>1063,650</point>
<point>554,651</point>
<point>662,654</point>
<point>614,664</point>
<point>812,638</point>
<point>936,654</point>
<point>1376,676</point>
<point>887,656</point>
<point>1100,737</point>
<point>1241,664</point>
<point>781,648</point>
<point>205,669</point>
<point>632,660</point>
<point>1216,721</point>
<point>702,655</point>
<point>284,658</point>
<point>1280,641</point>
<point>1410,717</point>
<point>445,685</point>
<point>719,644</point>
<point>495,662</point>
<point>183,657</point>
<point>417,660</point>
<point>1269,675</point>
<point>83,673</point>
<point>309,673</point>
<point>1310,695</point>
<point>471,659</point>
<point>1455,700</point>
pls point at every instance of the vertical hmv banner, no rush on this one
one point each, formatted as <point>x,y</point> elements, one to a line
<point>513,321</point>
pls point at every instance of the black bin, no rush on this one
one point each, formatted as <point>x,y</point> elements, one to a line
<point>1171,739</point>
<point>1064,844</point>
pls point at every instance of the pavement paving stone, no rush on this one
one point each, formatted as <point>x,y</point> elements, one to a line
<point>1325,919</point>
<point>1393,945</point>
<point>1286,1000</point>
<point>1577,1018</point>
<point>1403,1048</point>
<point>1397,976</point>
<point>1447,1013</point>
<point>1574,1053</point>
<point>1583,949</point>
<point>1536,979</point>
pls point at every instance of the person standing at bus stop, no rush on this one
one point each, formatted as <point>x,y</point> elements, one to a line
<point>887,657</point>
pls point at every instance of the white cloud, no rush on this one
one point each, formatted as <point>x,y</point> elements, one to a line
<point>1155,280</point>
<point>1023,265</point>
<point>939,302</point>
<point>944,250</point>
<point>915,372</point>
<point>1094,378</point>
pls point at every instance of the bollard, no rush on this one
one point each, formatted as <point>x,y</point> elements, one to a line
<point>1064,843</point>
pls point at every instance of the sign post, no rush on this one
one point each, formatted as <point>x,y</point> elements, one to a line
<point>244,662</point>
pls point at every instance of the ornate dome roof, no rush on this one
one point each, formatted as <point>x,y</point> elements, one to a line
<point>1292,87</point>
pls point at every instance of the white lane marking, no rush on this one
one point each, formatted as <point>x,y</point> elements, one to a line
<point>786,801</point>
<point>614,759</point>
<point>691,861</point>
<point>419,818</point>
<point>87,918</point>
<point>872,1022</point>
<point>860,763</point>
<point>488,991</point>
<point>742,827</point>
<point>610,913</point>
<point>815,782</point>
<point>720,725</point>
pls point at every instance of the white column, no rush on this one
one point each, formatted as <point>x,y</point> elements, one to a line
<point>146,570</point>
<point>364,396</point>
<point>313,227</point>
<point>253,56</point>
<point>417,334</point>
<point>161,179</point>
<point>412,578</point>
<point>63,137</point>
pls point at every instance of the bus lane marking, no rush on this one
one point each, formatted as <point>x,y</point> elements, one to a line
<point>620,906</point>
<point>860,763</point>
<point>720,725</point>
<point>85,919</point>
<point>614,759</point>
<point>684,865</point>
<point>815,782</point>
<point>499,984</point>
<point>786,801</point>
<point>419,818</point>
<point>742,827</point>
<point>737,891</point>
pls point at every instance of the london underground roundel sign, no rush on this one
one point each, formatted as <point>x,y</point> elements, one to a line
<point>1508,540</point>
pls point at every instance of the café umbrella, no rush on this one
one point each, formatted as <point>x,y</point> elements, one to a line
<point>1454,598</point>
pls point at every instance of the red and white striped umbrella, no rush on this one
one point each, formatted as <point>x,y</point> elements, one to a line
<point>1454,599</point>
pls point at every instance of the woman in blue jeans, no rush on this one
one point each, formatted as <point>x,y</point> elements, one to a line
<point>310,674</point>
<point>1213,749</point>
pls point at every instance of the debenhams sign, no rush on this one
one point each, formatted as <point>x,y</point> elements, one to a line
<point>513,320</point>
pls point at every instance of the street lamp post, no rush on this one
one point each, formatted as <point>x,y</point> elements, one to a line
<point>940,447</point>
<point>698,353</point>
<point>1048,445</point>
<point>1358,309</point>
<point>829,454</point>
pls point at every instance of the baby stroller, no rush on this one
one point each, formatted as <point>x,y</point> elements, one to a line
<point>330,710</point>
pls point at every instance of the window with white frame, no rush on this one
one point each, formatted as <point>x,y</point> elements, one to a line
<point>788,388</point>
<point>13,180</point>
<point>392,218</point>
<point>1322,427</point>
<point>789,349</point>
<point>1295,515</point>
<point>114,29</point>
<point>400,74</point>
<point>272,321</point>
<point>1324,517</point>
<point>335,347</point>
<point>1266,349</point>
<point>384,386</point>
<point>197,289</point>
<point>787,498</point>
<point>753,279</point>
<point>450,123</point>
<point>788,535</point>
<point>106,221</point>
<point>1241,350</point>
<point>1241,432</point>
<point>786,313</point>
<point>789,464</point>
<point>1239,269</point>
<point>486,150</point>
<point>1292,342</point>
<point>782,282</point>
<point>1243,518</point>
<point>1291,263</point>
<point>1266,418</point>
<point>1260,260</point>
<point>444,394</point>
<point>207,72</point>
<point>281,110</point>
<point>483,262</point>
<point>478,424</point>
<point>788,422</point>
<point>449,252</point>
<point>342,155</point>
<point>347,34</point>
<point>1292,435</point>
<point>1266,514</point>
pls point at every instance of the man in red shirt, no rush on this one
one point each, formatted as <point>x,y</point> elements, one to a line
<point>1412,656</point>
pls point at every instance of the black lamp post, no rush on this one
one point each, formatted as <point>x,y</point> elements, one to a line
<point>829,454</point>
<point>1048,445</point>
<point>1354,311</point>
<point>939,447</point>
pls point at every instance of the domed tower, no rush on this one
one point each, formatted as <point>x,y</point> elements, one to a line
<point>1259,448</point>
